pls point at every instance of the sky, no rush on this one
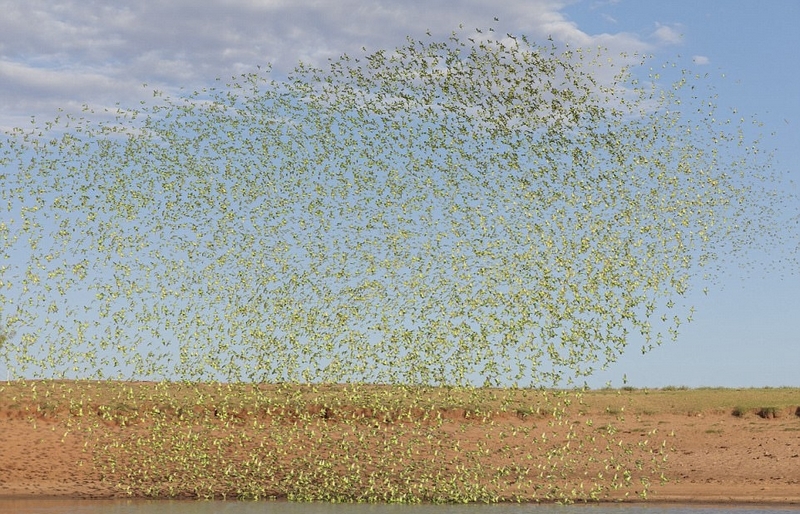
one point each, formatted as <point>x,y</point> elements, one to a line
<point>746,333</point>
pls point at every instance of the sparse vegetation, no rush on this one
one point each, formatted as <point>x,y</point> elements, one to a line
<point>338,442</point>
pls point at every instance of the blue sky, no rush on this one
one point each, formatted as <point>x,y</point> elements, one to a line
<point>746,333</point>
<point>63,54</point>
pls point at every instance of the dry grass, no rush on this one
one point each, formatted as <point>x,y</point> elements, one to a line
<point>747,401</point>
<point>51,397</point>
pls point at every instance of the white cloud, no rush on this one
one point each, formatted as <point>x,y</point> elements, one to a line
<point>668,35</point>
<point>701,60</point>
<point>55,53</point>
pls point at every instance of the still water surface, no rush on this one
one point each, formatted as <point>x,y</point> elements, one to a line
<point>218,507</point>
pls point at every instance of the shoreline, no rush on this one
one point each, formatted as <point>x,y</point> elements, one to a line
<point>710,500</point>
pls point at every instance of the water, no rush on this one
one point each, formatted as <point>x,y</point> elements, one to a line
<point>58,506</point>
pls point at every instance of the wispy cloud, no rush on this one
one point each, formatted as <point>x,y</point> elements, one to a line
<point>701,60</point>
<point>59,53</point>
<point>608,18</point>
